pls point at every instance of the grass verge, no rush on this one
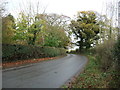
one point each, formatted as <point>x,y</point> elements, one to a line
<point>93,77</point>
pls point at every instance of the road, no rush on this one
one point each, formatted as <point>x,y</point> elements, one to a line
<point>46,74</point>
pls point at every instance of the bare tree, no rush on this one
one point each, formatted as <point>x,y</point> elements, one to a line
<point>2,7</point>
<point>111,12</point>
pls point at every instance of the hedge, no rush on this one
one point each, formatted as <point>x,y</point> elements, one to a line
<point>15,52</point>
<point>116,53</point>
<point>117,49</point>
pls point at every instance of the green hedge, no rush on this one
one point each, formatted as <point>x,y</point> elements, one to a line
<point>116,53</point>
<point>117,50</point>
<point>21,52</point>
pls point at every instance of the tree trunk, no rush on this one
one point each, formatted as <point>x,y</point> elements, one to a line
<point>34,38</point>
<point>81,45</point>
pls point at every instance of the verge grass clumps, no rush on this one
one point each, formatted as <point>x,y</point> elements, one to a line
<point>116,53</point>
<point>108,55</point>
<point>103,68</point>
<point>14,52</point>
<point>104,54</point>
<point>115,82</point>
<point>91,77</point>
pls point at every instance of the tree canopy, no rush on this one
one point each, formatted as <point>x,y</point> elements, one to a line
<point>8,28</point>
<point>85,28</point>
<point>40,30</point>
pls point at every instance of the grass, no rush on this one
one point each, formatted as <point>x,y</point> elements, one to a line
<point>92,77</point>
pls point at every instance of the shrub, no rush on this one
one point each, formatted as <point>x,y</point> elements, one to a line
<point>108,55</point>
<point>105,55</point>
<point>116,53</point>
<point>115,72</point>
<point>115,82</point>
<point>19,52</point>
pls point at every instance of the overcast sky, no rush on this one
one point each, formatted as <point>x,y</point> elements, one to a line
<point>66,7</point>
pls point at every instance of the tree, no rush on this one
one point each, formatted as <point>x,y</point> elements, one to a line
<point>21,32</point>
<point>104,27</point>
<point>35,29</point>
<point>8,28</point>
<point>111,11</point>
<point>2,7</point>
<point>28,25</point>
<point>2,11</point>
<point>53,33</point>
<point>27,29</point>
<point>85,28</point>
<point>56,37</point>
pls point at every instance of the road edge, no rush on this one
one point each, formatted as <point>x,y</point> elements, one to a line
<point>29,64</point>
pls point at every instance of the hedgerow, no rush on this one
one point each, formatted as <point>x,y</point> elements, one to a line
<point>21,52</point>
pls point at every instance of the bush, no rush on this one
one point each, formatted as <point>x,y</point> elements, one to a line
<point>105,55</point>
<point>116,53</point>
<point>115,82</point>
<point>19,52</point>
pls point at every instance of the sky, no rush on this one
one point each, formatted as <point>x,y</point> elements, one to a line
<point>65,7</point>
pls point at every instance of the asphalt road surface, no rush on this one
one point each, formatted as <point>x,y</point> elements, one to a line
<point>46,74</point>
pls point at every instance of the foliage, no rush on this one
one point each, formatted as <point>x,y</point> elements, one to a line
<point>102,70</point>
<point>21,28</point>
<point>85,28</point>
<point>35,29</point>
<point>8,28</point>
<point>22,39</point>
<point>27,29</point>
<point>116,52</point>
<point>108,55</point>
<point>93,77</point>
<point>104,54</point>
<point>56,37</point>
<point>21,52</point>
<point>39,31</point>
<point>118,46</point>
<point>53,34</point>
